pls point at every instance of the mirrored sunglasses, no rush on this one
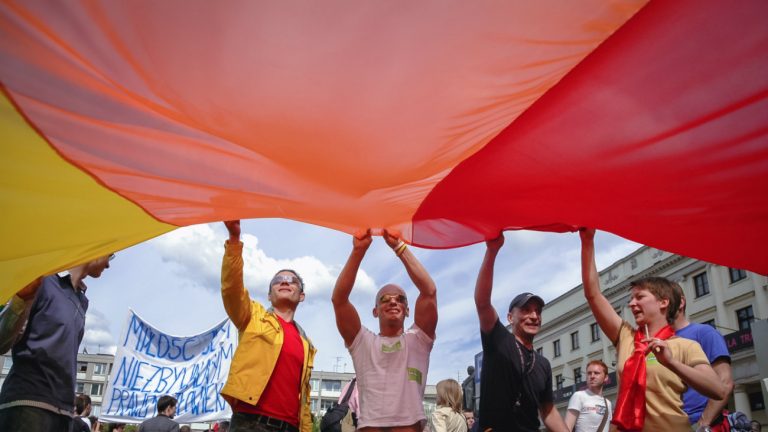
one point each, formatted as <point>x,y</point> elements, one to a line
<point>386,298</point>
<point>277,280</point>
<point>111,257</point>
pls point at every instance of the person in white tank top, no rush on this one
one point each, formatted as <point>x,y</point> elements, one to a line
<point>391,365</point>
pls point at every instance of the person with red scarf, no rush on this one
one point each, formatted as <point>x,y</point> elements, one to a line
<point>654,366</point>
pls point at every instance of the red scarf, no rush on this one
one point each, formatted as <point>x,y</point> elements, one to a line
<point>630,405</point>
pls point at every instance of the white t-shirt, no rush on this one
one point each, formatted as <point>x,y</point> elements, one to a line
<point>391,375</point>
<point>591,408</point>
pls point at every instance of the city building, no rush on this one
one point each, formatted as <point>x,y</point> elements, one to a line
<point>725,298</point>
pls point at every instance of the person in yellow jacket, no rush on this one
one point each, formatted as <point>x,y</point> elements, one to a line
<point>268,382</point>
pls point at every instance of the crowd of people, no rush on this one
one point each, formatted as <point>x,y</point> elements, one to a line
<point>673,375</point>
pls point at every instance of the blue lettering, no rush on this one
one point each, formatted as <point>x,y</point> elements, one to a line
<point>135,382</point>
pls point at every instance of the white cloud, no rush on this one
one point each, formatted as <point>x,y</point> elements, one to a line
<point>196,252</point>
<point>97,338</point>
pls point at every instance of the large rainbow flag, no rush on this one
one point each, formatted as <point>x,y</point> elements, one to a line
<point>446,120</point>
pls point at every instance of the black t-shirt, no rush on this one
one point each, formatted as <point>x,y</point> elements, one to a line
<point>78,425</point>
<point>510,397</point>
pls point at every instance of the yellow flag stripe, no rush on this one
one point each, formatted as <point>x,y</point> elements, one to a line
<point>54,215</point>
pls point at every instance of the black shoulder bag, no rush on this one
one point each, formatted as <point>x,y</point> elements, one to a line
<point>331,421</point>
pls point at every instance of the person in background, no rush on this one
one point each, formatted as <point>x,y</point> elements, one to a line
<point>81,422</point>
<point>163,421</point>
<point>349,422</point>
<point>447,417</point>
<point>655,367</point>
<point>589,410</point>
<point>472,424</point>
<point>705,414</point>
<point>120,427</point>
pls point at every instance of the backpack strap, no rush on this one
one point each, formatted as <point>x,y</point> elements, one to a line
<point>348,394</point>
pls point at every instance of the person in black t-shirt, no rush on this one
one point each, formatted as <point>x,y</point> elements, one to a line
<point>516,381</point>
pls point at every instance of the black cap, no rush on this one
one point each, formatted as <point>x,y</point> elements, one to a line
<point>524,298</point>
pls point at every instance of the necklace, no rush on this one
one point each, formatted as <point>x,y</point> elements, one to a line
<point>520,348</point>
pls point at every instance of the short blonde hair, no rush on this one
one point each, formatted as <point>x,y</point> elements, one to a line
<point>449,394</point>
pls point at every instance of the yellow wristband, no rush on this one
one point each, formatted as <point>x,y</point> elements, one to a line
<point>400,249</point>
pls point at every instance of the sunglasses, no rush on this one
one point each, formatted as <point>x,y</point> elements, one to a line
<point>277,280</point>
<point>111,257</point>
<point>386,298</point>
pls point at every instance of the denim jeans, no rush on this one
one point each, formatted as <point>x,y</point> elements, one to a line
<point>32,419</point>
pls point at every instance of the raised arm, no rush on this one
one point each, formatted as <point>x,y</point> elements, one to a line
<point>484,285</point>
<point>347,318</point>
<point>426,304</point>
<point>236,300</point>
<point>15,314</point>
<point>607,318</point>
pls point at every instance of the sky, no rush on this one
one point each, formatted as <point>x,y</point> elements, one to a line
<point>173,282</point>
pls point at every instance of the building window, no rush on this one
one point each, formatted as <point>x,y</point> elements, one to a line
<point>745,317</point>
<point>595,330</point>
<point>326,404</point>
<point>82,367</point>
<point>711,323</point>
<point>756,402</point>
<point>99,368</point>
<point>315,384</point>
<point>331,385</point>
<point>737,274</point>
<point>574,340</point>
<point>96,389</point>
<point>559,380</point>
<point>556,347</point>
<point>313,405</point>
<point>577,375</point>
<point>540,350</point>
<point>7,363</point>
<point>80,388</point>
<point>701,284</point>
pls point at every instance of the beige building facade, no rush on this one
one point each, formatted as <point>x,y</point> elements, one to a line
<point>728,299</point>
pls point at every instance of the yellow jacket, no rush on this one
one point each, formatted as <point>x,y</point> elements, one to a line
<point>260,341</point>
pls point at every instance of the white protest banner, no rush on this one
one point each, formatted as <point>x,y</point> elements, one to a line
<point>150,364</point>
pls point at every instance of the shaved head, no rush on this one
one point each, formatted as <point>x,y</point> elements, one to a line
<point>388,289</point>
